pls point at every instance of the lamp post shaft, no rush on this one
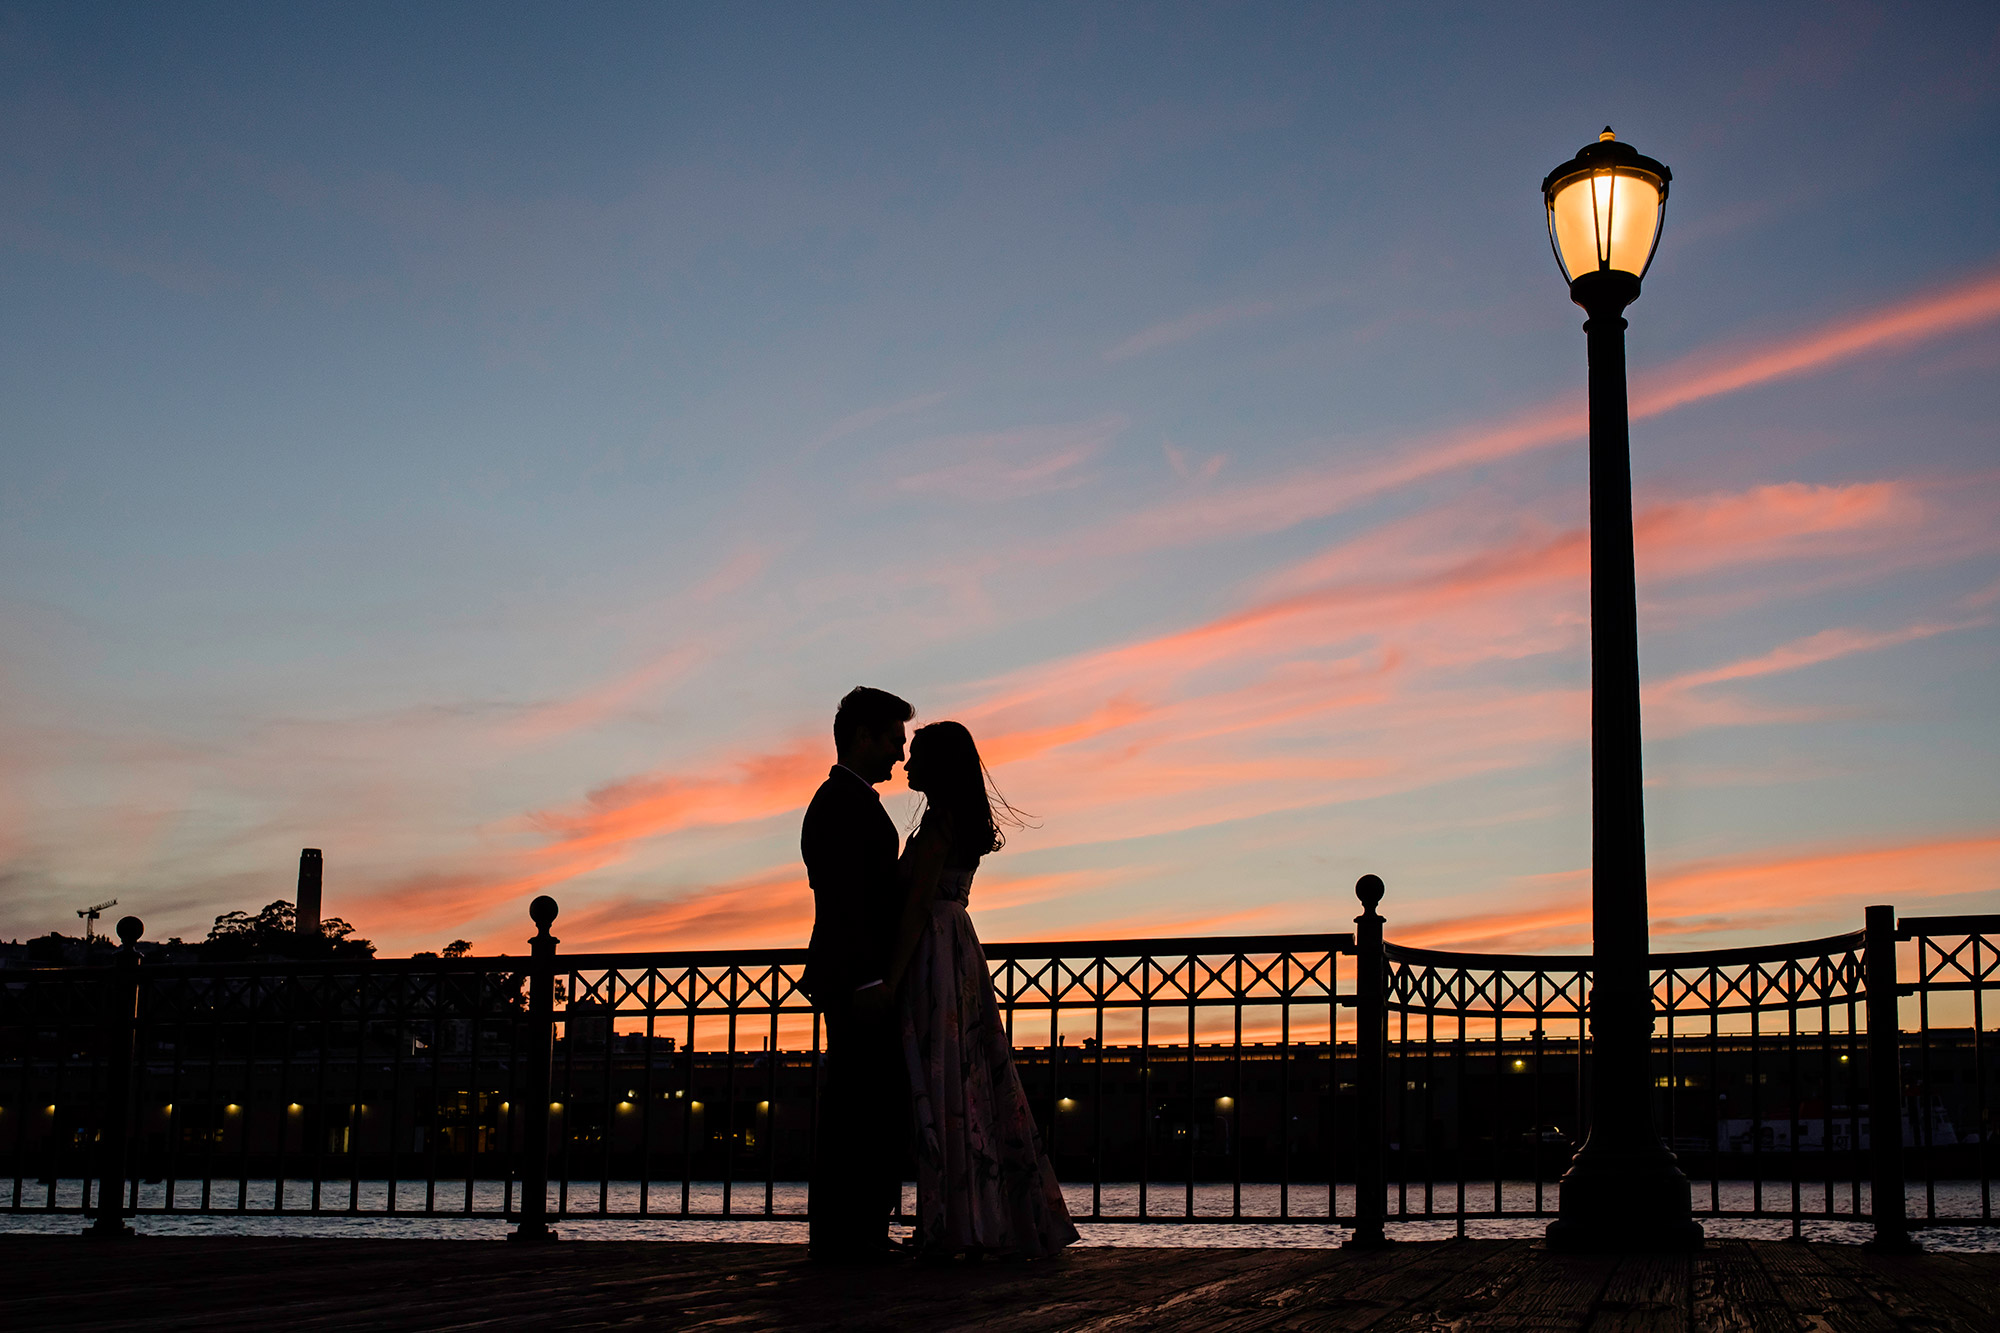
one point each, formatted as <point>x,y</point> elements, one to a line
<point>1621,1010</point>
<point>1622,1191</point>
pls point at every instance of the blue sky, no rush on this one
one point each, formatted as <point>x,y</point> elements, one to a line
<point>484,441</point>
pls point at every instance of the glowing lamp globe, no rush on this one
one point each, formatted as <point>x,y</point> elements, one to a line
<point>1605,207</point>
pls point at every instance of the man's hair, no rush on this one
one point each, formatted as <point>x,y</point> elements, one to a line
<point>869,709</point>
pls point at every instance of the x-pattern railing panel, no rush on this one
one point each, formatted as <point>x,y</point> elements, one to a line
<point>1714,984</point>
<point>1972,962</point>
<point>1201,980</point>
<point>666,990</point>
<point>1420,982</point>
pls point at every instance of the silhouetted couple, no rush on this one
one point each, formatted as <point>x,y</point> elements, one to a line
<point>917,1054</point>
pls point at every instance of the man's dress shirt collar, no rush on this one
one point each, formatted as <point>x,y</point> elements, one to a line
<point>843,768</point>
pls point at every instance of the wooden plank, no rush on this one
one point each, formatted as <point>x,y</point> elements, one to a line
<point>1208,1302</point>
<point>1974,1278</point>
<point>1910,1289</point>
<point>1085,1289</point>
<point>61,1282</point>
<point>1487,1272</point>
<point>1648,1293</point>
<point>796,1294</point>
<point>1354,1289</point>
<point>362,1282</point>
<point>1733,1293</point>
<point>1818,1294</point>
<point>570,1290</point>
<point>1555,1295</point>
<point>1423,1267</point>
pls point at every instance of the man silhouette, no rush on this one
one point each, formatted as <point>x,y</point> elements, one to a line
<point>849,844</point>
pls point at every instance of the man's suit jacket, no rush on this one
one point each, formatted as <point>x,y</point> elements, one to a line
<point>849,844</point>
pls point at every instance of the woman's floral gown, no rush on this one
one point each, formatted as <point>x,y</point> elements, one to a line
<point>983,1182</point>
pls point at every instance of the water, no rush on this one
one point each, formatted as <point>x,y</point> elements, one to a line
<point>372,1218</point>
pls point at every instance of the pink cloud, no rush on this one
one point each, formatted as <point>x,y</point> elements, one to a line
<point>1312,493</point>
<point>1345,677</point>
<point>1189,326</point>
<point>1007,465</point>
<point>1825,646</point>
<point>607,700</point>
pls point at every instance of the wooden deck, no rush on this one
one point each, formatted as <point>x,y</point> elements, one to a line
<point>228,1282</point>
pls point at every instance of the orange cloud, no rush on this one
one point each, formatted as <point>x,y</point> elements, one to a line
<point>1347,679</point>
<point>1508,597</point>
<point>755,787</point>
<point>771,908</point>
<point>1800,890</point>
<point>429,903</point>
<point>1006,747</point>
<point>599,833</point>
<point>1137,696</point>
<point>1430,599</point>
<point>1785,521</point>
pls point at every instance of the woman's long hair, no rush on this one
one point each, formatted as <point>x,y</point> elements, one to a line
<point>961,788</point>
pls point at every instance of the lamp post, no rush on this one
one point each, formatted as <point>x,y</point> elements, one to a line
<point>1623,1191</point>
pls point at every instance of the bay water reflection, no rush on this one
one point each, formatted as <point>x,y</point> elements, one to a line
<point>612,1210</point>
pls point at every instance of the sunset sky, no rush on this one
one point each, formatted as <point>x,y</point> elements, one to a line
<point>485,441</point>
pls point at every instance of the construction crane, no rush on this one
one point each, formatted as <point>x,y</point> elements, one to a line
<point>90,915</point>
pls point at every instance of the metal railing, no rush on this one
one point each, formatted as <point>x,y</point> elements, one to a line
<point>671,1085</point>
<point>1752,1048</point>
<point>1216,1079</point>
<point>1948,1071</point>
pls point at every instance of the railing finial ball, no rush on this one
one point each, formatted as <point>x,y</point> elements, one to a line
<point>1369,889</point>
<point>543,911</point>
<point>130,928</point>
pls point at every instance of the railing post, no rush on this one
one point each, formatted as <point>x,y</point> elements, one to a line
<point>121,1012</point>
<point>1371,1023</point>
<point>541,1075</point>
<point>1885,1088</point>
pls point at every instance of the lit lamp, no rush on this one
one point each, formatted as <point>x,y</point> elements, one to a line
<point>1623,1190</point>
<point>1605,206</point>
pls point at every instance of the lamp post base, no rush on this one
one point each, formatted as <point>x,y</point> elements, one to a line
<point>534,1233</point>
<point>1625,1203</point>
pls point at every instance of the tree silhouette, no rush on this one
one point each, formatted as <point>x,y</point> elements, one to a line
<point>273,933</point>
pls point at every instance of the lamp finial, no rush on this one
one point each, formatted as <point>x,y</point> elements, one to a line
<point>1607,136</point>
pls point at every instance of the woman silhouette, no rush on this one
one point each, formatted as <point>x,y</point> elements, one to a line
<point>984,1186</point>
